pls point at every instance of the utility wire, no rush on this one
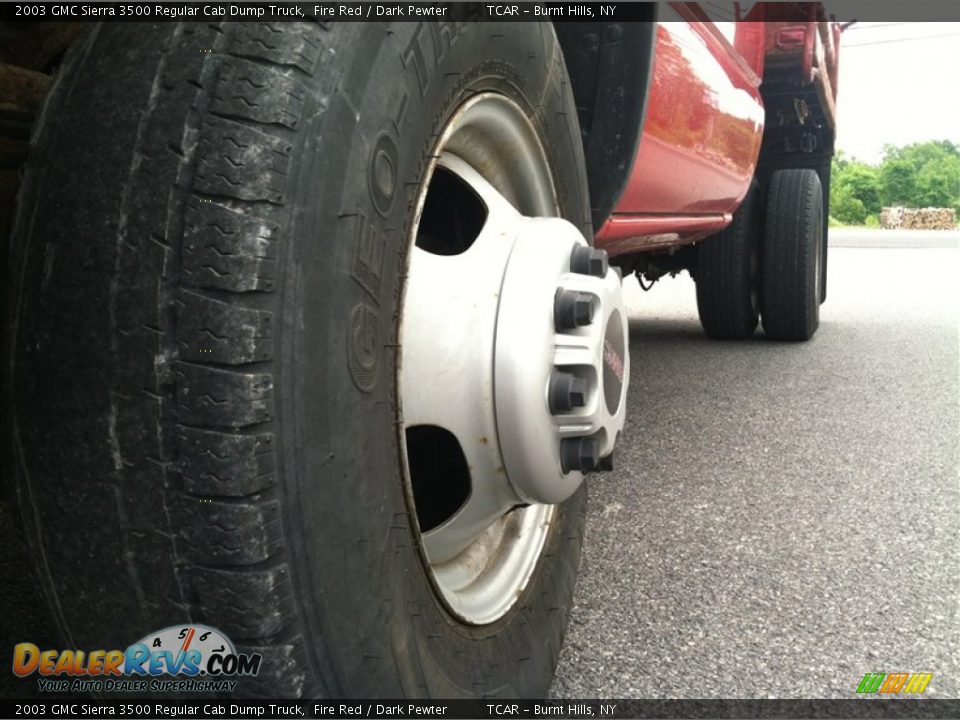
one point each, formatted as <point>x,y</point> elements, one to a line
<point>900,40</point>
<point>871,26</point>
<point>720,11</point>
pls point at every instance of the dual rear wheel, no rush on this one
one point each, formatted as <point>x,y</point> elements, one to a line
<point>767,268</point>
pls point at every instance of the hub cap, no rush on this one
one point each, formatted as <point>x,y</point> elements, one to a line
<point>513,364</point>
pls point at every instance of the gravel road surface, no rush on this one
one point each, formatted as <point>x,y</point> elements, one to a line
<point>784,517</point>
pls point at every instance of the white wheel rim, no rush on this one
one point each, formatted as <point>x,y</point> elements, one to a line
<point>462,327</point>
<point>481,583</point>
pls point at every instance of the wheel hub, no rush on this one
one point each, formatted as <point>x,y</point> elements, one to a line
<point>560,364</point>
<point>514,343</point>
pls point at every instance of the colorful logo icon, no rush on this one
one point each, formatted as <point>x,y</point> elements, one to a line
<point>894,683</point>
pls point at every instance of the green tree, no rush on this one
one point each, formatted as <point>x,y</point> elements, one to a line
<point>855,190</point>
<point>919,175</point>
<point>845,207</point>
<point>897,182</point>
<point>938,182</point>
<point>863,182</point>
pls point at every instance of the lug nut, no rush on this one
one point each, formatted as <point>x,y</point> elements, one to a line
<point>567,392</point>
<point>572,309</point>
<point>589,261</point>
<point>579,453</point>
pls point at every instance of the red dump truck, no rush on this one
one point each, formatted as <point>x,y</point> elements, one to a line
<point>313,330</point>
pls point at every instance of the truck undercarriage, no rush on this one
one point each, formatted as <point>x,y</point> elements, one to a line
<point>319,325</point>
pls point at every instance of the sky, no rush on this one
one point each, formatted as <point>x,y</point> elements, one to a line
<point>899,84</point>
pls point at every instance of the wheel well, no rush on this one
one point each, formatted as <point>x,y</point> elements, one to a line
<point>29,53</point>
<point>37,46</point>
<point>610,65</point>
<point>798,133</point>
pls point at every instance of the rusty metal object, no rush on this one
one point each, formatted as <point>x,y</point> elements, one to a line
<point>23,89</point>
<point>34,46</point>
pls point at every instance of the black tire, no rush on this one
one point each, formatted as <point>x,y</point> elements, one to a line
<point>203,316</point>
<point>824,253</point>
<point>792,246</point>
<point>727,276</point>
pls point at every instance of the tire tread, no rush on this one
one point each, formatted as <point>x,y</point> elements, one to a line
<point>724,283</point>
<point>789,306</point>
<point>191,250</point>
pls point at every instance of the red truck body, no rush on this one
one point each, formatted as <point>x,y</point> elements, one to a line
<point>701,137</point>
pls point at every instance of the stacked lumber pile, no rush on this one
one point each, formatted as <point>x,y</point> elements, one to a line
<point>893,218</point>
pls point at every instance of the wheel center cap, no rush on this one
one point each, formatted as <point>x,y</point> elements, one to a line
<point>561,365</point>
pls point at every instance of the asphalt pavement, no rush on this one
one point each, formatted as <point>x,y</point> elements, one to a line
<point>783,517</point>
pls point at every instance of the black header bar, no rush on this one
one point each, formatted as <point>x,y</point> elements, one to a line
<point>58,706</point>
<point>164,11</point>
<point>322,11</point>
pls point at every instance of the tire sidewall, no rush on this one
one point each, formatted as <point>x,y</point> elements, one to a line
<point>358,573</point>
<point>819,251</point>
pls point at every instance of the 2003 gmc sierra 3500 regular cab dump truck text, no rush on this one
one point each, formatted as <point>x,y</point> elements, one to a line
<point>313,330</point>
